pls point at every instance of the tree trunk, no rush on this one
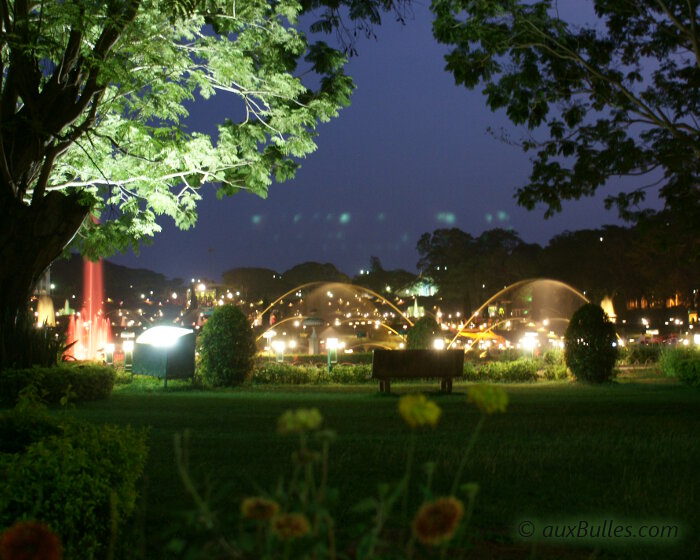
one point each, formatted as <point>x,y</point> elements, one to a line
<point>31,238</point>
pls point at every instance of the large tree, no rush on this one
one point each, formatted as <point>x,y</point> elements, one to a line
<point>94,143</point>
<point>614,94</point>
<point>469,270</point>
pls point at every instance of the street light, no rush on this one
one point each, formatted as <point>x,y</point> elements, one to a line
<point>332,348</point>
<point>128,346</point>
<point>109,354</point>
<point>278,347</point>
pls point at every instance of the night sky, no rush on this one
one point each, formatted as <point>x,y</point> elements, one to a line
<point>410,155</point>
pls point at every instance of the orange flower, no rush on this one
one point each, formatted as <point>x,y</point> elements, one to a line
<point>260,509</point>
<point>30,540</point>
<point>437,521</point>
<point>290,526</point>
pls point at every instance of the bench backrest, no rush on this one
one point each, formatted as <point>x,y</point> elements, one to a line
<point>416,364</point>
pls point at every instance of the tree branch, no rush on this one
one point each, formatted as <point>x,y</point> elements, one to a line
<point>690,33</point>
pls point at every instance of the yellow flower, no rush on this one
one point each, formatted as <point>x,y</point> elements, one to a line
<point>30,540</point>
<point>258,508</point>
<point>437,521</point>
<point>299,420</point>
<point>488,398</point>
<point>416,410</point>
<point>290,526</point>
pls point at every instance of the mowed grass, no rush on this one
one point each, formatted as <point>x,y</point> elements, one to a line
<point>627,452</point>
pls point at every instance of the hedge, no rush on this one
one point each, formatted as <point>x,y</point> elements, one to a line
<point>79,382</point>
<point>76,478</point>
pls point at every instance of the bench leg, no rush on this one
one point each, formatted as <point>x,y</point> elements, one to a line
<point>449,386</point>
<point>387,385</point>
<point>443,385</point>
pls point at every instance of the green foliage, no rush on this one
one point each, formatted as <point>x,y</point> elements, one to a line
<point>555,372</point>
<point>142,160</point>
<point>421,335</point>
<point>641,354</point>
<point>280,374</point>
<point>681,363</point>
<point>341,373</point>
<point>226,347</point>
<point>23,345</point>
<point>321,359</point>
<point>518,371</point>
<point>272,373</point>
<point>553,365</point>
<point>77,478</point>
<point>591,345</point>
<point>615,97</point>
<point>76,382</point>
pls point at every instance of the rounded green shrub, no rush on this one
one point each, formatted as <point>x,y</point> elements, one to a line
<point>590,345</point>
<point>226,347</point>
<point>422,334</point>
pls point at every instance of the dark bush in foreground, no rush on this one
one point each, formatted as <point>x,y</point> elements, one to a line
<point>591,345</point>
<point>78,479</point>
<point>78,382</point>
<point>227,347</point>
<point>681,363</point>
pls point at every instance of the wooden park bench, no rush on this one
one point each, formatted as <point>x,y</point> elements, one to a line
<point>417,364</point>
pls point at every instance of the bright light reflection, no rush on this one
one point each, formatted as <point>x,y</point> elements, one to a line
<point>162,336</point>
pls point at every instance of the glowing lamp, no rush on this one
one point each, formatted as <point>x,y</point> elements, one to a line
<point>332,348</point>
<point>109,353</point>
<point>439,344</point>
<point>165,352</point>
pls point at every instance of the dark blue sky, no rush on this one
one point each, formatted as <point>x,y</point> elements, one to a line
<point>410,155</point>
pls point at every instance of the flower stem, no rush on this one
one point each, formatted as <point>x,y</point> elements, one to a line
<point>465,455</point>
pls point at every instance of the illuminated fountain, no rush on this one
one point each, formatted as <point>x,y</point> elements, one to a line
<point>90,329</point>
<point>525,314</point>
<point>607,305</point>
<point>45,312</point>
<point>357,316</point>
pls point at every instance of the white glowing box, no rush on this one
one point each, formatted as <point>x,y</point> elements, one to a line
<point>165,352</point>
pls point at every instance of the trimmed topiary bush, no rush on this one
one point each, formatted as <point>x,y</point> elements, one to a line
<point>77,382</point>
<point>422,334</point>
<point>226,348</point>
<point>590,345</point>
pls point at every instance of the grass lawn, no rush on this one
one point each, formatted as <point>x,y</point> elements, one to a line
<point>628,452</point>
